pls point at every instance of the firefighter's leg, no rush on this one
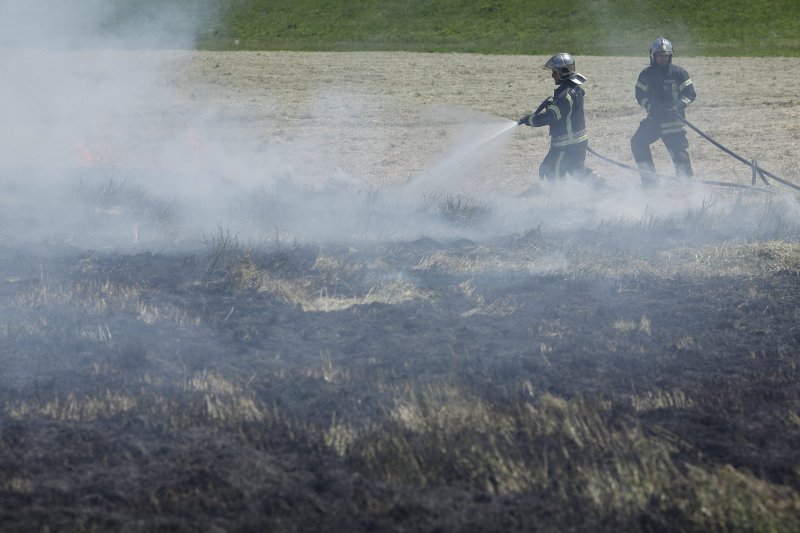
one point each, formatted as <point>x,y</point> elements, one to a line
<point>648,132</point>
<point>545,167</point>
<point>575,163</point>
<point>551,166</point>
<point>678,147</point>
<point>570,160</point>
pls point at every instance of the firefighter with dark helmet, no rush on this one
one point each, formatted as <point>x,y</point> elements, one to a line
<point>563,113</point>
<point>664,90</point>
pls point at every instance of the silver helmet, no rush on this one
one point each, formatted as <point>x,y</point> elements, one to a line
<point>660,45</point>
<point>563,67</point>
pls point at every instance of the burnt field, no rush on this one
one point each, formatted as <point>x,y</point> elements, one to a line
<point>297,298</point>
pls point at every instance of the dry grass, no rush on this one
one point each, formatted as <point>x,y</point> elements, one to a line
<point>639,374</point>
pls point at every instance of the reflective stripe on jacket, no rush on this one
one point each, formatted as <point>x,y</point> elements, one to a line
<point>564,115</point>
<point>660,89</point>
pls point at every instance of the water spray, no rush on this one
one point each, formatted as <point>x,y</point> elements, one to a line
<point>459,159</point>
<point>498,134</point>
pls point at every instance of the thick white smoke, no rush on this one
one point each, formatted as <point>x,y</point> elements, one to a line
<point>90,120</point>
<point>103,145</point>
<point>120,24</point>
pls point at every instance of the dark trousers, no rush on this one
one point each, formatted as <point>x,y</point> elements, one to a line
<point>677,145</point>
<point>563,160</point>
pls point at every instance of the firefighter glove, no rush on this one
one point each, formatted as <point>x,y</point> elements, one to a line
<point>525,120</point>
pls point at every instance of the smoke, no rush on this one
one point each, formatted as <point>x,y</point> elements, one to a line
<point>121,24</point>
<point>103,146</point>
<point>90,118</point>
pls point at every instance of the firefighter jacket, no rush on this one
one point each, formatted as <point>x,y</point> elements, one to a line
<point>662,90</point>
<point>564,114</point>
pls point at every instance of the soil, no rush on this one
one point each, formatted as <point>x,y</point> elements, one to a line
<point>157,389</point>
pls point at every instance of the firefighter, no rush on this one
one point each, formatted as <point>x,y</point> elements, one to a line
<point>563,112</point>
<point>664,90</point>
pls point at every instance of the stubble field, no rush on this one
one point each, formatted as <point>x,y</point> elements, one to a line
<point>387,336</point>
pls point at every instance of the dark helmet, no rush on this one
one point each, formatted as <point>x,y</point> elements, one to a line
<point>563,66</point>
<point>660,45</point>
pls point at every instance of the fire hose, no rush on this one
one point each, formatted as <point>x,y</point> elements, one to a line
<point>657,175</point>
<point>756,169</point>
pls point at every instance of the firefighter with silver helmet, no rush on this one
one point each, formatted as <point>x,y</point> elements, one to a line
<point>664,90</point>
<point>563,113</point>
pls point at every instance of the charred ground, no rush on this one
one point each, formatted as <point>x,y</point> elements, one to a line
<point>633,374</point>
<point>291,389</point>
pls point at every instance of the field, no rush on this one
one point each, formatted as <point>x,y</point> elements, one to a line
<point>303,294</point>
<point>612,27</point>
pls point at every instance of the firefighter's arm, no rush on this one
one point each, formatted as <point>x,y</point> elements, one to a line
<point>532,120</point>
<point>643,93</point>
<point>553,111</point>
<point>643,96</point>
<point>686,94</point>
